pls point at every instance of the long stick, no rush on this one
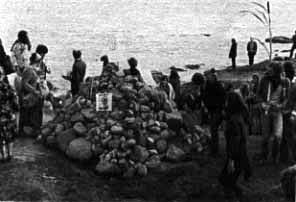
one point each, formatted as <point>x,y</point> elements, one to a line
<point>269,27</point>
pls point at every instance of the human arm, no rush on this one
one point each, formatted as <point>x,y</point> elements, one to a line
<point>27,76</point>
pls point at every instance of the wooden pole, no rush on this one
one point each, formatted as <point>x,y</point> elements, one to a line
<point>270,33</point>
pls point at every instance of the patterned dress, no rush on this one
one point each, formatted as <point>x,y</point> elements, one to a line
<point>8,108</point>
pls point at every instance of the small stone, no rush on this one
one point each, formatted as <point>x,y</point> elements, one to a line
<point>116,129</point>
<point>155,129</point>
<point>97,149</point>
<point>88,113</point>
<point>163,125</point>
<point>145,108</point>
<point>46,131</point>
<point>141,153</point>
<point>142,170</point>
<point>153,161</point>
<point>131,142</point>
<point>59,128</point>
<point>80,128</point>
<point>114,144</point>
<point>110,122</point>
<point>51,141</point>
<point>130,120</point>
<point>106,168</point>
<point>175,154</point>
<point>161,146</point>
<point>77,117</point>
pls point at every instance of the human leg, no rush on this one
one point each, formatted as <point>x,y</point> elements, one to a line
<point>266,131</point>
<point>277,132</point>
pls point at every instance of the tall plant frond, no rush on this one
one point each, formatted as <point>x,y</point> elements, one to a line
<point>263,45</point>
<point>255,15</point>
<point>263,14</point>
<point>260,5</point>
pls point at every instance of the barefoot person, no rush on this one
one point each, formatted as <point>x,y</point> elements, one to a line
<point>237,160</point>
<point>252,50</point>
<point>294,45</point>
<point>233,53</point>
<point>8,108</point>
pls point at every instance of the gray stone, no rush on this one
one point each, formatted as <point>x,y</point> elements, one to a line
<point>88,113</point>
<point>77,117</point>
<point>174,153</point>
<point>141,153</point>
<point>79,149</point>
<point>59,128</point>
<point>64,138</point>
<point>174,121</point>
<point>116,129</point>
<point>161,146</point>
<point>80,129</point>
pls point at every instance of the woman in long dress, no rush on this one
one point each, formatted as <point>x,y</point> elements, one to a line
<point>8,109</point>
<point>31,100</point>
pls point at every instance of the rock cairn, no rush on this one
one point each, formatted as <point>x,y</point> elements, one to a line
<point>142,130</point>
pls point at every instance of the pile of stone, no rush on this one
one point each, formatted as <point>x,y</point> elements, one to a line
<point>142,130</point>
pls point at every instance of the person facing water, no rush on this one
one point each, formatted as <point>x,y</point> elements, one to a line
<point>174,80</point>
<point>133,71</point>
<point>233,53</point>
<point>20,51</point>
<point>78,72</point>
<point>252,50</point>
<point>294,45</point>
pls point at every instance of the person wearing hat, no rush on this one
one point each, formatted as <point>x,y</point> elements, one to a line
<point>78,72</point>
<point>272,94</point>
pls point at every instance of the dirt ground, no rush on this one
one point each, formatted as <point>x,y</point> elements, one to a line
<point>37,173</point>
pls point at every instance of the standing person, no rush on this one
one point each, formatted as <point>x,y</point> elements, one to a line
<point>272,94</point>
<point>5,61</point>
<point>133,71</point>
<point>20,51</point>
<point>30,99</point>
<point>214,100</point>
<point>167,87</point>
<point>233,53</point>
<point>105,61</point>
<point>287,148</point>
<point>42,50</point>
<point>8,125</point>
<point>78,72</point>
<point>174,80</point>
<point>252,50</point>
<point>237,160</point>
<point>294,45</point>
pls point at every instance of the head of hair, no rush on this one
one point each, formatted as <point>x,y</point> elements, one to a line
<point>289,70</point>
<point>132,62</point>
<point>198,79</point>
<point>41,49</point>
<point>233,40</point>
<point>174,75</point>
<point>22,37</point>
<point>276,68</point>
<point>34,58</point>
<point>104,59</point>
<point>76,54</point>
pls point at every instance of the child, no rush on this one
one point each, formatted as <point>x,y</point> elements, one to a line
<point>236,144</point>
<point>8,108</point>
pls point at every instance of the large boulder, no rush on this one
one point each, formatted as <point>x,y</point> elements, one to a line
<point>79,149</point>
<point>175,154</point>
<point>64,138</point>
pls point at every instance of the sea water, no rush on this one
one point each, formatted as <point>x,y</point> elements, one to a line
<point>159,33</point>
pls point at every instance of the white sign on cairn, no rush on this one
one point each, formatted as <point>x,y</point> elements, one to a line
<point>104,102</point>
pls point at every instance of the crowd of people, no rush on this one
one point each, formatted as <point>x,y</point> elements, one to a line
<point>262,107</point>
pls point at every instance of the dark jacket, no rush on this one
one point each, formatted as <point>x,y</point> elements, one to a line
<point>252,51</point>
<point>233,50</point>
<point>176,86</point>
<point>213,96</point>
<point>78,71</point>
<point>294,39</point>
